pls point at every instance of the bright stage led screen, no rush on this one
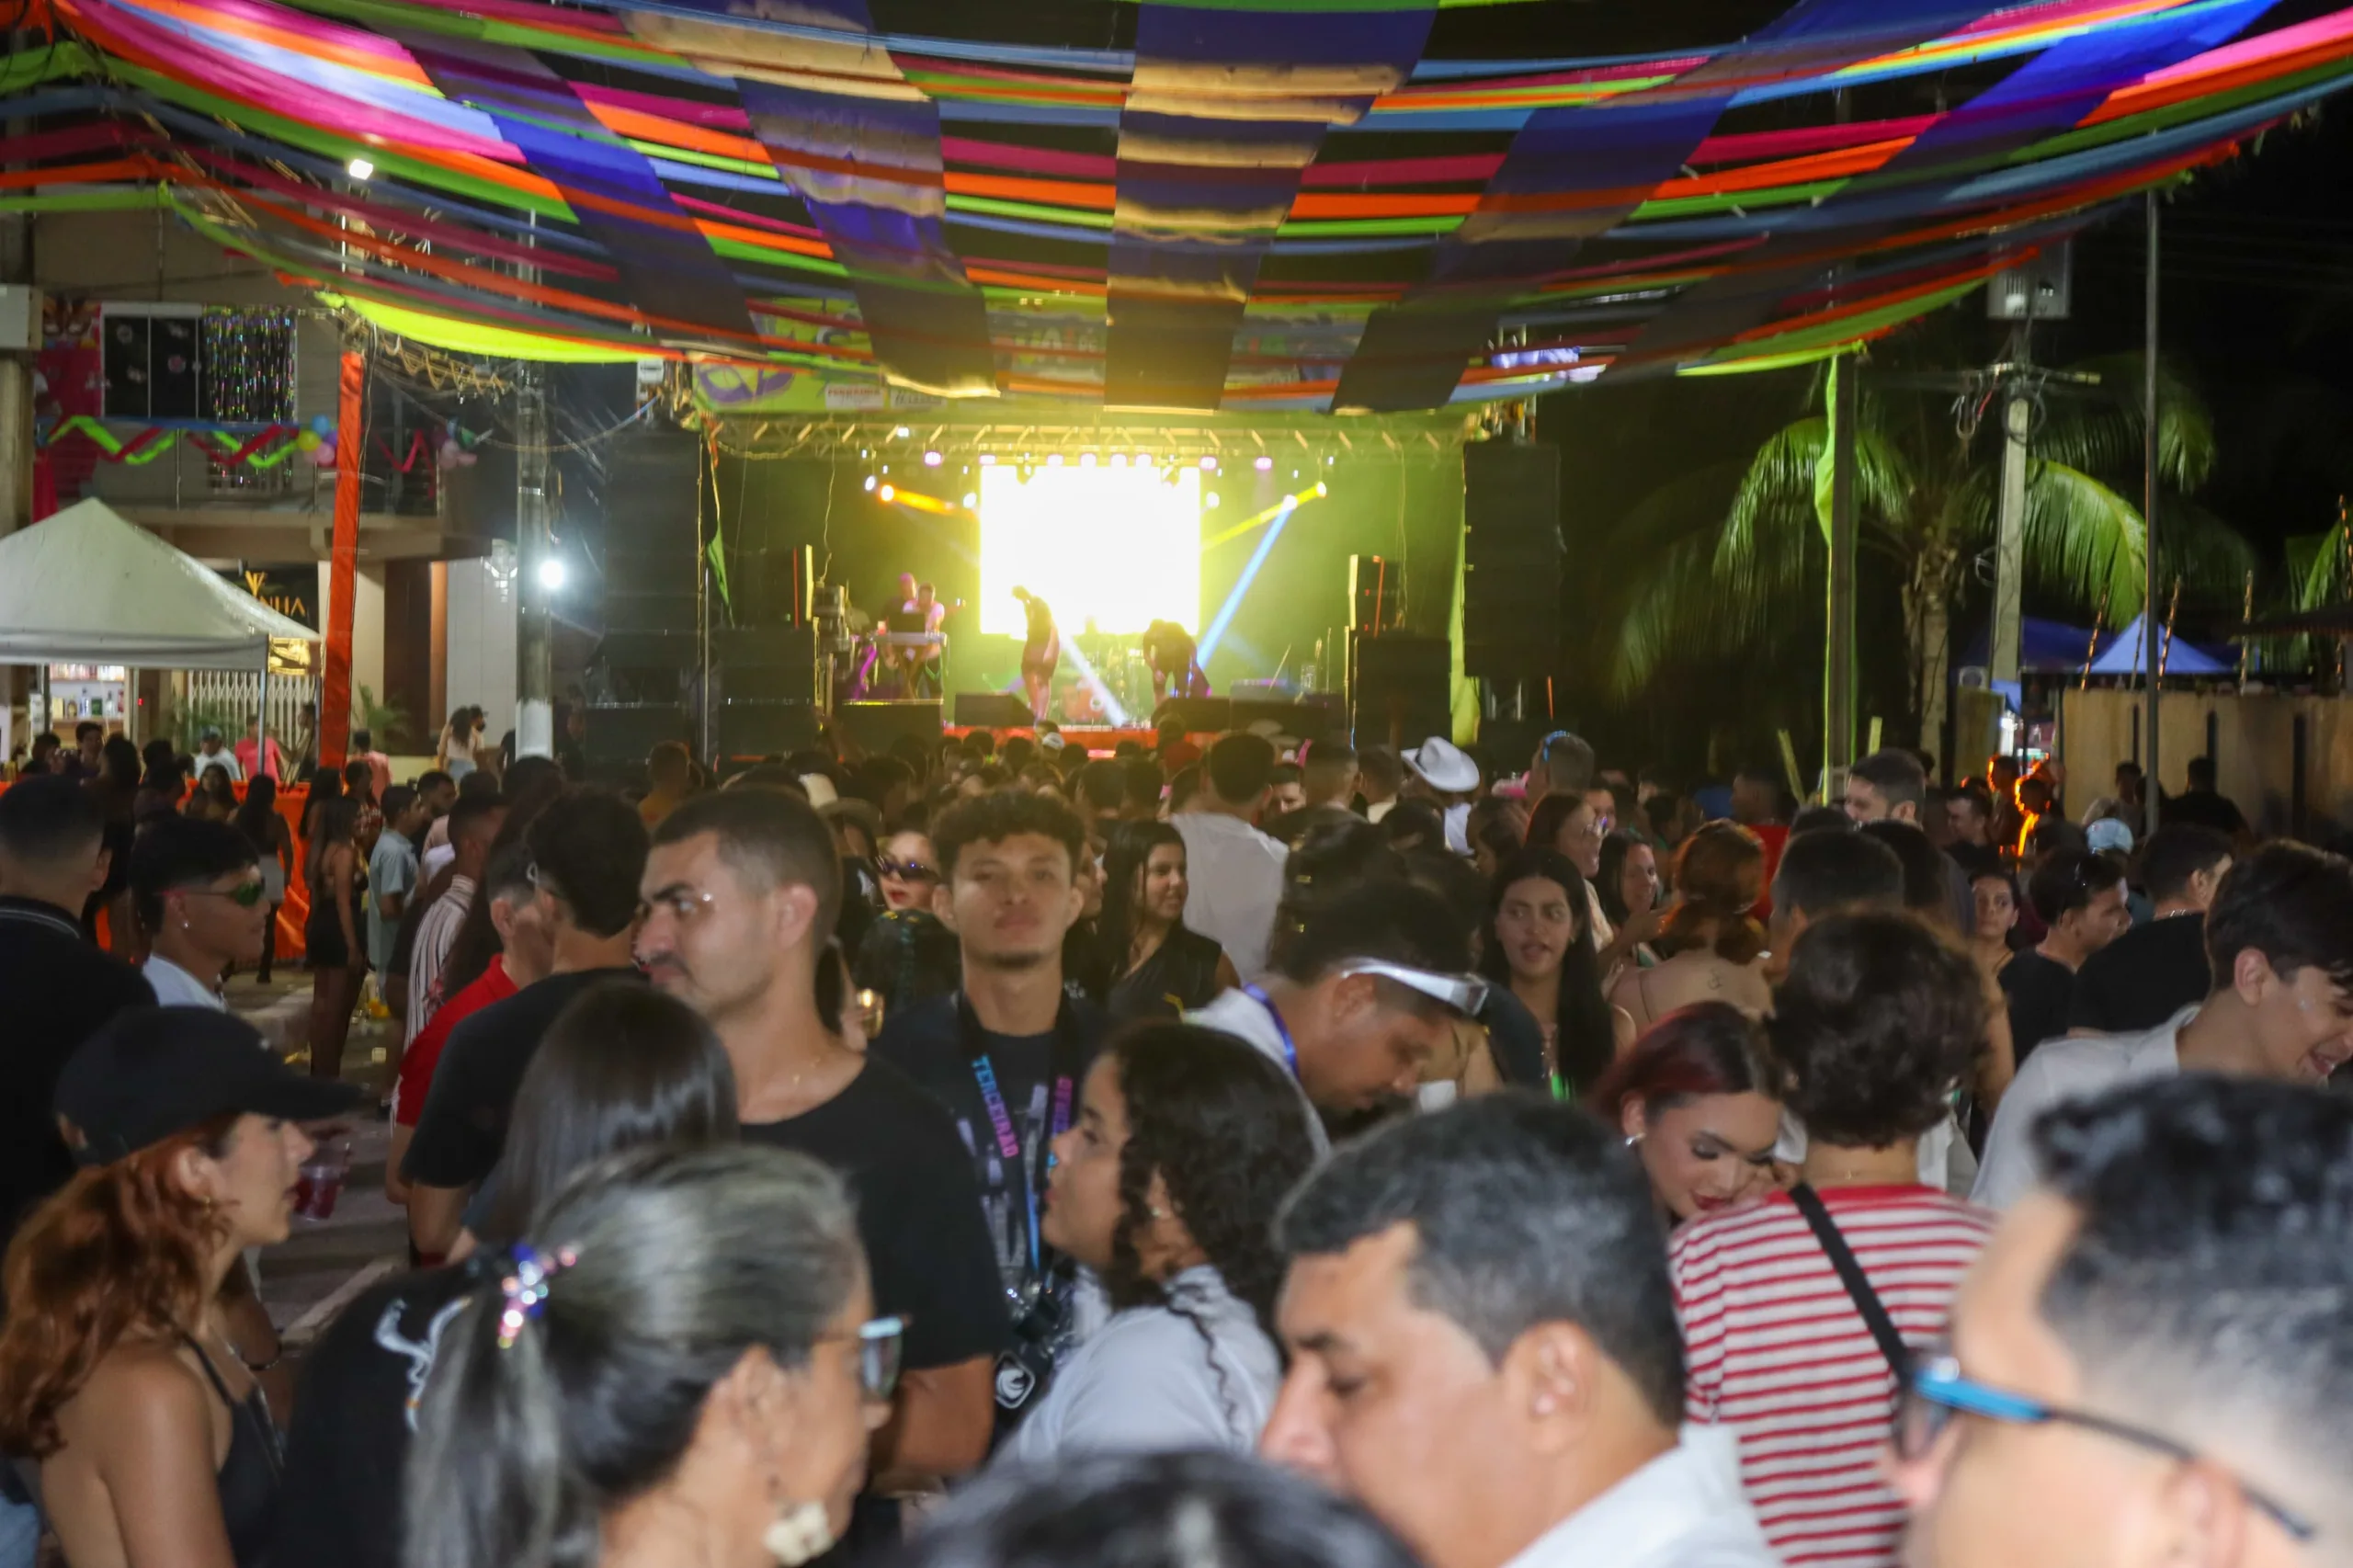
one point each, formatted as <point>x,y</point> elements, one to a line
<point>1117,546</point>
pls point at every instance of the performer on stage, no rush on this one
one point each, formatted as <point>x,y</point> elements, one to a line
<point>1169,649</point>
<point>1040,652</point>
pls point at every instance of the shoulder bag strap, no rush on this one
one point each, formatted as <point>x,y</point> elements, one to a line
<point>1857,1283</point>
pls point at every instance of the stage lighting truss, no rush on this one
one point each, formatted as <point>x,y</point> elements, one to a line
<point>1220,445</point>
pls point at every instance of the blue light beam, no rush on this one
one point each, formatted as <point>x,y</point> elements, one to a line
<point>1224,617</point>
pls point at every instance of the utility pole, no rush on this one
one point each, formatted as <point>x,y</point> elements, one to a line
<point>538,572</point>
<point>2148,789</point>
<point>1839,648</point>
<point>2009,539</point>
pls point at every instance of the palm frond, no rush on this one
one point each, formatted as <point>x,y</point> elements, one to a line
<point>2082,540</point>
<point>2210,557</point>
<point>1780,478</point>
<point>2101,434</point>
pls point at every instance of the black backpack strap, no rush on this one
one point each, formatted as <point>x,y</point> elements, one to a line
<point>1857,1283</point>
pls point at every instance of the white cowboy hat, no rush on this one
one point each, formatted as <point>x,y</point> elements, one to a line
<point>1443,765</point>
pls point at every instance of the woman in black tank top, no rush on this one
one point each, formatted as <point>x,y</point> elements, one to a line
<point>1149,964</point>
<point>118,1371</point>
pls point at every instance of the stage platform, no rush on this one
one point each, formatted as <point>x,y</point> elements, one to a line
<point>1100,740</point>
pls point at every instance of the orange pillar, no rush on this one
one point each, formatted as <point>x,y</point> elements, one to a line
<point>351,460</point>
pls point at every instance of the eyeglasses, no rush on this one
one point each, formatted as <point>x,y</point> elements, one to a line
<point>907,870</point>
<point>1937,1391</point>
<point>1466,993</point>
<point>878,1355</point>
<point>244,895</point>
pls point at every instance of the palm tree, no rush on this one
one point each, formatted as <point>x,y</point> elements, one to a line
<point>1731,584</point>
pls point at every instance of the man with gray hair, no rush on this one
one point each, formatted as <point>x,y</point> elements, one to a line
<point>2153,1360</point>
<point>1485,1351</point>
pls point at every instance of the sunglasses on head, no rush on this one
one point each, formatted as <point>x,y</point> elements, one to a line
<point>906,870</point>
<point>1466,993</point>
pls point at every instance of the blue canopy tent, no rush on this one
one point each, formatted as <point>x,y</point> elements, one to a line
<point>2045,647</point>
<point>2121,657</point>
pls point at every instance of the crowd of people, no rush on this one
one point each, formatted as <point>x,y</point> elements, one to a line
<point>1256,1152</point>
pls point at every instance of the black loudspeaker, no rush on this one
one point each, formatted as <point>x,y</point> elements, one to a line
<point>767,664</point>
<point>872,726</point>
<point>651,561</point>
<point>1400,690</point>
<point>1506,744</point>
<point>1376,593</point>
<point>1511,559</point>
<point>1303,720</point>
<point>619,734</point>
<point>1197,715</point>
<point>776,586</point>
<point>755,728</point>
<point>991,711</point>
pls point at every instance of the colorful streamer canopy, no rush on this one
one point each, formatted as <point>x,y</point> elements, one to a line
<point>1338,205</point>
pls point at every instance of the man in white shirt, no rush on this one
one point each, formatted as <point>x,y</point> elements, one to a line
<point>473,822</point>
<point>1484,1353</point>
<point>1366,994</point>
<point>1447,776</point>
<point>210,752</point>
<point>198,893</point>
<point>2280,941</point>
<point>1234,872</point>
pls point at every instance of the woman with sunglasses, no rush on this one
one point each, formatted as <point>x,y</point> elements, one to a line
<point>202,903</point>
<point>121,1374</point>
<point>1165,1190</point>
<point>678,1364</point>
<point>1152,965</point>
<point>907,955</point>
<point>623,1066</point>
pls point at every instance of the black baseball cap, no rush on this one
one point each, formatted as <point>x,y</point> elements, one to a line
<point>151,1071</point>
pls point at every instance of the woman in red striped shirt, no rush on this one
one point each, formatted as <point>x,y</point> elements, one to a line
<point>1878,1022</point>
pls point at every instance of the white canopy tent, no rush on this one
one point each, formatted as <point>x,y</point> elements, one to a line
<point>85,586</point>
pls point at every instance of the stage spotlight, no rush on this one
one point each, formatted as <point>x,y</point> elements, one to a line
<point>988,460</point>
<point>1119,460</point>
<point>1210,501</point>
<point>361,168</point>
<point>1209,464</point>
<point>970,501</point>
<point>552,574</point>
<point>1053,460</point>
<point>932,460</point>
<point>1086,459</point>
<point>869,482</point>
<point>1265,465</point>
<point>885,493</point>
<point>901,432</point>
<point>1322,488</point>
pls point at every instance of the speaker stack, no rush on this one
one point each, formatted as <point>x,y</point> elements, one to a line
<point>1511,562</point>
<point>649,651</point>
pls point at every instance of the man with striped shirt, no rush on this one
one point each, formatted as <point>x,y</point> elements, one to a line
<point>1877,1022</point>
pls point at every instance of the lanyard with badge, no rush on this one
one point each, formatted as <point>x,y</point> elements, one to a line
<point>1039,1315</point>
<point>1282,1029</point>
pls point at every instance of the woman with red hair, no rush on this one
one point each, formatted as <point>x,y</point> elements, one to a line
<point>117,1373</point>
<point>1698,1097</point>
